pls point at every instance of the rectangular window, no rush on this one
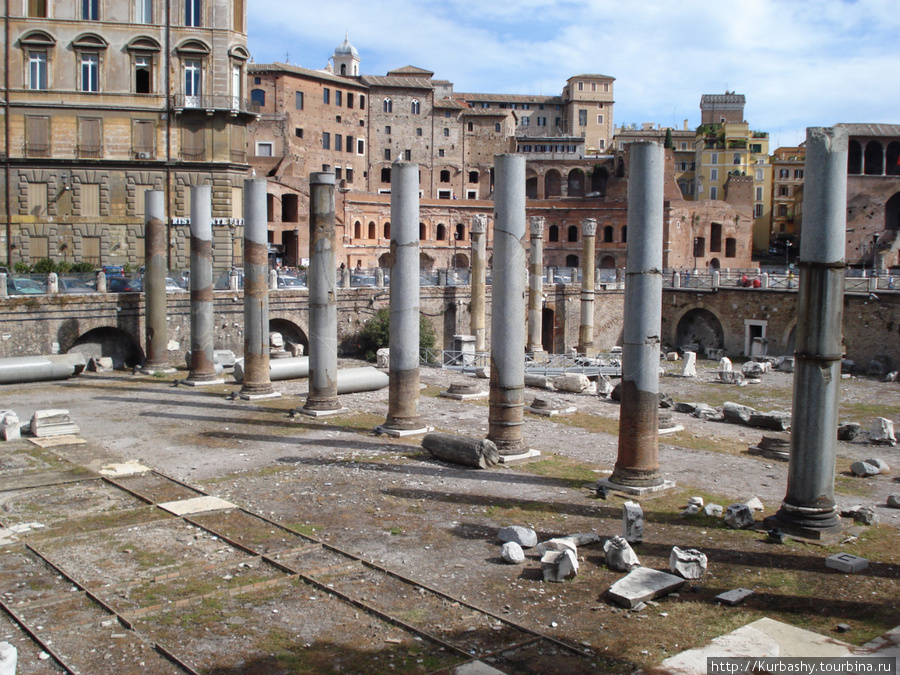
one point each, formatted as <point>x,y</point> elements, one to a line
<point>757,211</point>
<point>298,132</point>
<point>441,152</point>
<point>142,79</point>
<point>387,154</point>
<point>593,86</point>
<point>349,144</point>
<point>338,95</point>
<point>387,129</point>
<point>192,13</point>
<point>37,70</point>
<point>784,191</point>
<point>263,149</point>
<point>37,9</point>
<point>760,175</point>
<point>798,173</point>
<point>714,158</point>
<point>326,140</point>
<point>714,174</point>
<point>485,105</point>
<point>524,121</point>
<point>759,194</point>
<point>298,100</point>
<point>90,199</point>
<point>237,18</point>
<point>447,131</point>
<point>338,142</point>
<point>599,119</point>
<point>713,192</point>
<point>581,86</point>
<point>542,121</point>
<point>193,145</point>
<point>90,137</point>
<point>192,82</point>
<point>326,96</point>
<point>419,131</point>
<point>362,103</point>
<point>360,146</point>
<point>407,155</point>
<point>143,141</point>
<point>349,173</point>
<point>90,72</point>
<point>582,118</point>
<point>143,11</point>
<point>350,99</point>
<point>90,10</point>
<point>238,144</point>
<point>338,172</point>
<point>38,247</point>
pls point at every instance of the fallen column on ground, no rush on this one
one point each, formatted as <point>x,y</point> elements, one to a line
<point>20,369</point>
<point>474,452</point>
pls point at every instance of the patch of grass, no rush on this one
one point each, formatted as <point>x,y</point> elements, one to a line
<point>589,422</point>
<point>863,413</point>
<point>305,528</point>
<point>728,446</point>
<point>394,531</point>
<point>571,472</point>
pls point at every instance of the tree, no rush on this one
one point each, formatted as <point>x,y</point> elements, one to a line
<point>668,142</point>
<point>375,333</point>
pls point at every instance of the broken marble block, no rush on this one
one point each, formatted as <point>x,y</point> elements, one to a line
<point>738,516</point>
<point>731,377</point>
<point>604,385</point>
<point>864,469</point>
<point>574,382</point>
<point>691,510</point>
<point>523,536</point>
<point>754,369</point>
<point>643,584</point>
<point>557,544</point>
<point>846,562</point>
<point>893,501</point>
<point>755,504</point>
<point>725,364</point>
<point>559,565</point>
<point>714,510</point>
<point>383,358</point>
<point>46,423</point>
<point>688,563</point>
<point>9,425</point>
<point>737,413</point>
<point>9,657</point>
<point>512,553</point>
<point>882,432</point>
<point>734,597</point>
<point>619,555</point>
<point>632,522</point>
<point>690,365</point>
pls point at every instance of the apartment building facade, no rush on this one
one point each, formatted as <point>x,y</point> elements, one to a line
<point>107,99</point>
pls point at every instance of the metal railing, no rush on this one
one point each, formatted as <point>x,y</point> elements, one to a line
<point>561,364</point>
<point>230,103</point>
<point>89,151</point>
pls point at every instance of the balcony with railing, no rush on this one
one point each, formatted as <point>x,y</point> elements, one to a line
<point>89,151</point>
<point>209,104</point>
<point>193,154</point>
<point>37,150</point>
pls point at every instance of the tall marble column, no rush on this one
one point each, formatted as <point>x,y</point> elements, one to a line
<point>535,285</point>
<point>156,269</point>
<point>586,328</point>
<point>479,284</point>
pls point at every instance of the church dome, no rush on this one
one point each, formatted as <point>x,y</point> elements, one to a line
<point>346,48</point>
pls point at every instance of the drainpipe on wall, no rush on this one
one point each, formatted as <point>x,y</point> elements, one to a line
<point>168,114</point>
<point>6,159</point>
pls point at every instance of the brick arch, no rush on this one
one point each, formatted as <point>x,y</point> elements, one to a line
<point>291,326</point>
<point>96,338</point>
<point>788,343</point>
<point>697,322</point>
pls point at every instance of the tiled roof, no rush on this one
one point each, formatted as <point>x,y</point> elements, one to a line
<point>305,72</point>
<point>511,98</point>
<point>401,82</point>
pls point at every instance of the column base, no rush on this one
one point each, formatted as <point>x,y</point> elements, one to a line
<point>200,383</point>
<point>256,397</point>
<point>528,454</point>
<point>320,413</point>
<point>637,490</point>
<point>806,523</point>
<point>150,370</point>
<point>398,433</point>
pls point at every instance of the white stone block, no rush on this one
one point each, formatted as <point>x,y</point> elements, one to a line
<point>632,522</point>
<point>725,364</point>
<point>619,555</point>
<point>846,562</point>
<point>8,658</point>
<point>523,536</point>
<point>574,382</point>
<point>688,563</point>
<point>643,584</point>
<point>559,565</point>
<point>738,516</point>
<point>512,553</point>
<point>690,365</point>
<point>734,597</point>
<point>882,431</point>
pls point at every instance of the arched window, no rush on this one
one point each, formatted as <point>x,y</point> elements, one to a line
<point>423,231</point>
<point>553,233</point>
<point>386,231</point>
<point>874,159</point>
<point>415,108</point>
<point>624,234</point>
<point>892,165</point>
<point>38,47</point>
<point>387,105</point>
<point>371,229</point>
<point>343,69</point>
<point>608,234</point>
<point>258,96</point>
<point>357,230</point>
<point>571,260</point>
<point>460,232</point>
<point>854,158</point>
<point>573,234</point>
<point>441,232</point>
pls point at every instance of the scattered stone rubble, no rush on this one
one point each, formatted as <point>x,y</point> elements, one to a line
<point>45,423</point>
<point>643,584</point>
<point>881,432</point>
<point>523,536</point>
<point>739,516</point>
<point>9,425</point>
<point>687,563</point>
<point>620,557</point>
<point>869,467</point>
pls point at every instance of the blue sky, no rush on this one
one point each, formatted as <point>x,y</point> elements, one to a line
<point>800,63</point>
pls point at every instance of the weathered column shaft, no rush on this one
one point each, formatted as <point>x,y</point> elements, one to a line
<point>155,271</point>
<point>202,318</point>
<point>322,283</point>
<point>535,284</point>
<point>256,290</point>
<point>403,396</point>
<point>507,394</point>
<point>809,502</point>
<point>586,328</point>
<point>637,464</point>
<point>479,281</point>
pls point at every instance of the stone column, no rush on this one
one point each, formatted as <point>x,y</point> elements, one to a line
<point>322,282</point>
<point>403,398</point>
<point>478,282</point>
<point>256,382</point>
<point>637,465</point>
<point>808,508</point>
<point>507,394</point>
<point>203,369</point>
<point>586,329</point>
<point>535,284</point>
<point>155,271</point>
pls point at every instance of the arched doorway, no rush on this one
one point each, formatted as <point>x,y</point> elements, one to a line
<point>576,183</point>
<point>714,264</point>
<point>702,328</point>
<point>426,262</point>
<point>599,178</point>
<point>874,159</point>
<point>461,261</point>
<point>385,261</point>
<point>531,187</point>
<point>571,260</point>
<point>290,331</point>
<point>892,213</point>
<point>552,184</point>
<point>112,342</point>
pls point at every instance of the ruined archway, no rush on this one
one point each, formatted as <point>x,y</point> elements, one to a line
<point>548,333</point>
<point>873,159</point>
<point>531,187</point>
<point>607,262</point>
<point>701,328</point>
<point>599,178</point>
<point>112,342</point>
<point>290,331</point>
<point>461,261</point>
<point>892,213</point>
<point>385,261</point>
<point>426,262</point>
<point>576,183</point>
<point>553,184</point>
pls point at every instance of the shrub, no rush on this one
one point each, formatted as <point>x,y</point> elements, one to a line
<point>82,268</point>
<point>44,266</point>
<point>376,332</point>
<point>22,267</point>
<point>63,267</point>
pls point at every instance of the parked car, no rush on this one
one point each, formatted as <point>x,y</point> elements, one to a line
<point>114,270</point>
<point>362,280</point>
<point>23,286</point>
<point>223,283</point>
<point>70,285</point>
<point>124,285</point>
<point>290,283</point>
<point>172,286</point>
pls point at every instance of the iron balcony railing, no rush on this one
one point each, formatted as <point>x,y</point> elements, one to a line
<point>229,103</point>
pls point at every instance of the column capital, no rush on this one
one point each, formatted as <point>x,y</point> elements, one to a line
<point>479,223</point>
<point>588,227</point>
<point>536,223</point>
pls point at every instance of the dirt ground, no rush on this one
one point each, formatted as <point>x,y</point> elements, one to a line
<point>349,551</point>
